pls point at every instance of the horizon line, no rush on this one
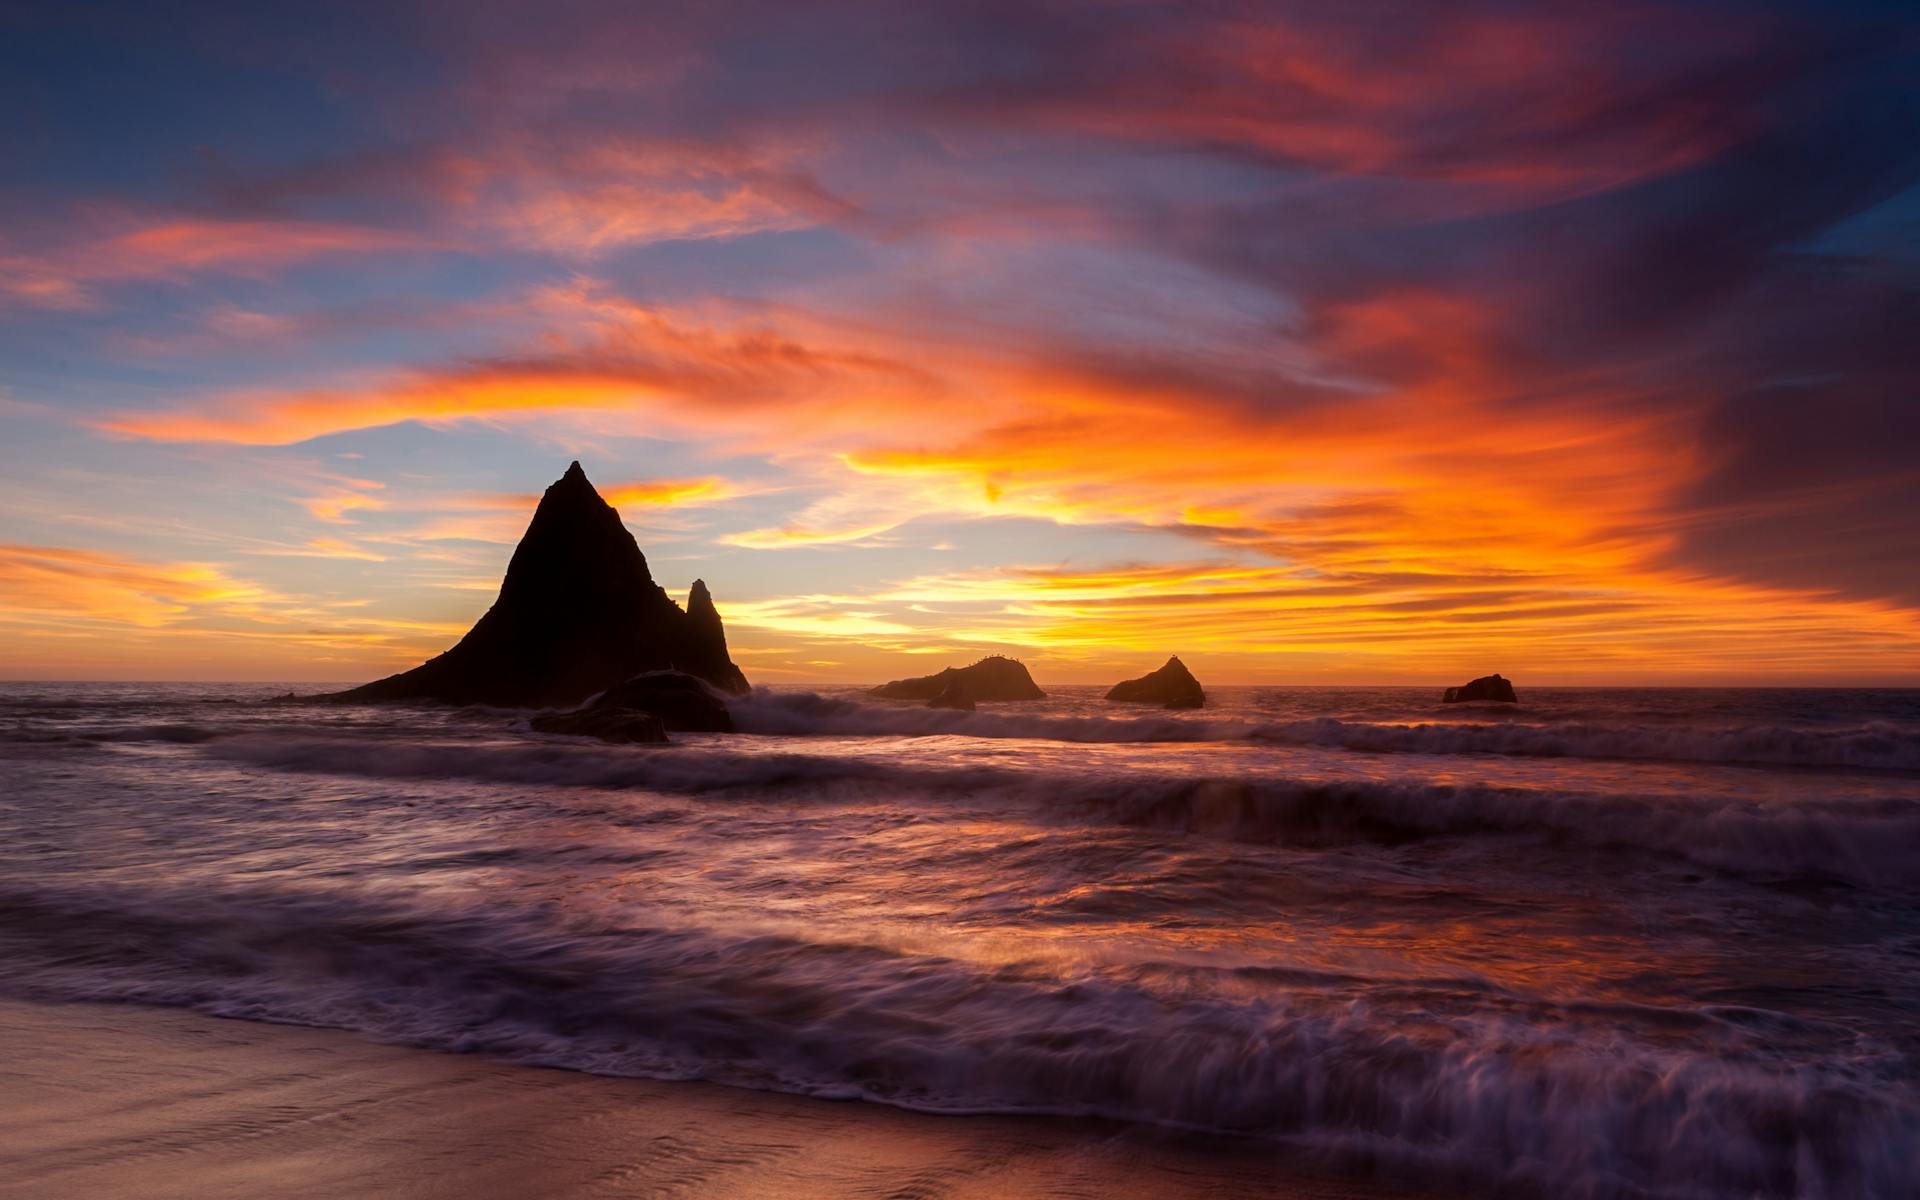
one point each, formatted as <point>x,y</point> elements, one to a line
<point>806,683</point>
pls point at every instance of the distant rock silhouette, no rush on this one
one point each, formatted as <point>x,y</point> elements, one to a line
<point>1487,687</point>
<point>990,679</point>
<point>674,700</point>
<point>577,613</point>
<point>954,695</point>
<point>1172,686</point>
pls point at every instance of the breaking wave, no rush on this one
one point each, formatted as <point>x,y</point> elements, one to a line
<point>1870,841</point>
<point>1484,1085</point>
<point>807,714</point>
<point>1879,745</point>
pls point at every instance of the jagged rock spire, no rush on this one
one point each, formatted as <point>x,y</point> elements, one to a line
<point>705,652</point>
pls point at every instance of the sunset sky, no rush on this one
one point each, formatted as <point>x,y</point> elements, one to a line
<point>1314,343</point>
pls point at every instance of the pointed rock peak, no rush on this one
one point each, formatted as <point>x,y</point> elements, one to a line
<point>704,650</point>
<point>577,613</point>
<point>574,485</point>
<point>576,543</point>
<point>571,502</point>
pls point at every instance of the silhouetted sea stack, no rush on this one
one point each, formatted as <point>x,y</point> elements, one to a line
<point>1487,687</point>
<point>577,613</point>
<point>954,695</point>
<point>1172,686</point>
<point>990,679</point>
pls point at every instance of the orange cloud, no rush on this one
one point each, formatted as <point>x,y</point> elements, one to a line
<point>66,611</point>
<point>58,584</point>
<point>587,221</point>
<point>584,196</point>
<point>787,536</point>
<point>821,616</point>
<point>1413,498</point>
<point>672,493</point>
<point>177,248</point>
<point>632,360</point>
<point>334,506</point>
<point>1246,621</point>
<point>1433,625</point>
<point>646,493</point>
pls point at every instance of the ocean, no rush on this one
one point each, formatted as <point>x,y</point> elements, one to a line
<point>1611,942</point>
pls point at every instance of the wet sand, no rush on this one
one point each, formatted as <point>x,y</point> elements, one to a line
<point>113,1101</point>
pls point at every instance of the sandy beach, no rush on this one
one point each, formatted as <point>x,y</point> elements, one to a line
<point>116,1101</point>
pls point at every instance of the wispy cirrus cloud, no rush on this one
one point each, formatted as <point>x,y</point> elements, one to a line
<point>337,505</point>
<point>638,360</point>
<point>65,587</point>
<point>174,248</point>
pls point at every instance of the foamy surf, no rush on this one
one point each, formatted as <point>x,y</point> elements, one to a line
<point>1491,1085</point>
<point>1882,745</point>
<point>1871,840</point>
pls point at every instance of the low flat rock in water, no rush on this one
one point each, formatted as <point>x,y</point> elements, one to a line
<point>990,679</point>
<point>1487,687</point>
<point>644,709</point>
<point>684,703</point>
<point>609,724</point>
<point>1172,686</point>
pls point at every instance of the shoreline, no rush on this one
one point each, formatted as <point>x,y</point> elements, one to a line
<point>123,1101</point>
